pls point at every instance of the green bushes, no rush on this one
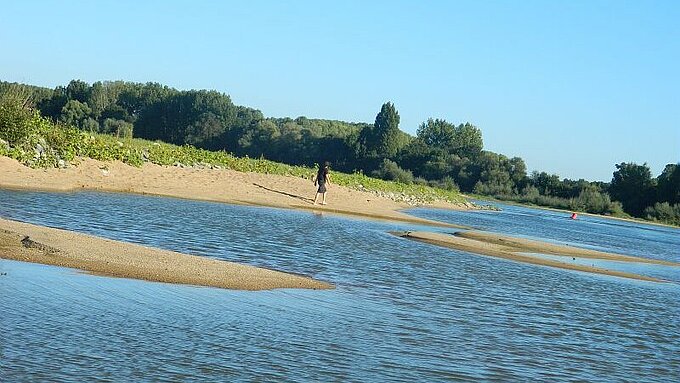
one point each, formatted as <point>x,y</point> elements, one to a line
<point>424,193</point>
<point>589,201</point>
<point>593,201</point>
<point>389,170</point>
<point>664,212</point>
<point>17,124</point>
<point>446,183</point>
<point>37,142</point>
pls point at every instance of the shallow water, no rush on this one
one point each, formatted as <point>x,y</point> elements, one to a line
<point>402,310</point>
<point>590,232</point>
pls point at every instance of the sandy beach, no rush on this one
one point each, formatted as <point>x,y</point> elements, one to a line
<point>219,185</point>
<point>126,260</point>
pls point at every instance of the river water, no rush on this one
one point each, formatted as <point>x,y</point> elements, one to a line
<point>402,311</point>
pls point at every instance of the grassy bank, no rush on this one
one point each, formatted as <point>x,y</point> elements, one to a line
<point>39,143</point>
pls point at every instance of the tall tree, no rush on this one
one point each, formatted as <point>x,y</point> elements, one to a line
<point>437,133</point>
<point>496,175</point>
<point>464,140</point>
<point>518,172</point>
<point>383,139</point>
<point>467,141</point>
<point>632,185</point>
<point>78,90</point>
<point>668,184</point>
<point>547,184</point>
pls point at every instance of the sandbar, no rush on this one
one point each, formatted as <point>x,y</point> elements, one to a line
<point>516,249</point>
<point>31,243</point>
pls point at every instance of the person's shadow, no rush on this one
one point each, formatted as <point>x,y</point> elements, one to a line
<point>308,200</point>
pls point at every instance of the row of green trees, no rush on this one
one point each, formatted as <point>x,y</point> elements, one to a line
<point>441,154</point>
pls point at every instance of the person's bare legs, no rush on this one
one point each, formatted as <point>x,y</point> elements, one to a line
<point>316,196</point>
<point>323,200</point>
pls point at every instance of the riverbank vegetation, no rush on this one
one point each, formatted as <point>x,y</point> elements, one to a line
<point>38,142</point>
<point>205,126</point>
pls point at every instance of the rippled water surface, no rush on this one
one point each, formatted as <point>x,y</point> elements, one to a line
<point>402,311</point>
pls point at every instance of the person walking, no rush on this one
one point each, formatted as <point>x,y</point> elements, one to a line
<point>322,179</point>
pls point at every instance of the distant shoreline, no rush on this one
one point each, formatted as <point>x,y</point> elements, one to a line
<point>568,212</point>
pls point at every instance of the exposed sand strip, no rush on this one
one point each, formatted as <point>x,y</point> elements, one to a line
<point>37,244</point>
<point>511,248</point>
<point>530,246</point>
<point>219,185</point>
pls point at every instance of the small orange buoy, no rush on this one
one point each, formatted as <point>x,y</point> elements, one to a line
<point>574,215</point>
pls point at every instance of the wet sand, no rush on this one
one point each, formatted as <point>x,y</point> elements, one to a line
<point>219,185</point>
<point>37,244</point>
<point>531,246</point>
<point>516,248</point>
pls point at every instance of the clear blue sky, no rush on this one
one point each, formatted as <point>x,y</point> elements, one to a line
<point>572,87</point>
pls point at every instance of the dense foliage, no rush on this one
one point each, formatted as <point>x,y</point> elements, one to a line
<point>442,154</point>
<point>38,142</point>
